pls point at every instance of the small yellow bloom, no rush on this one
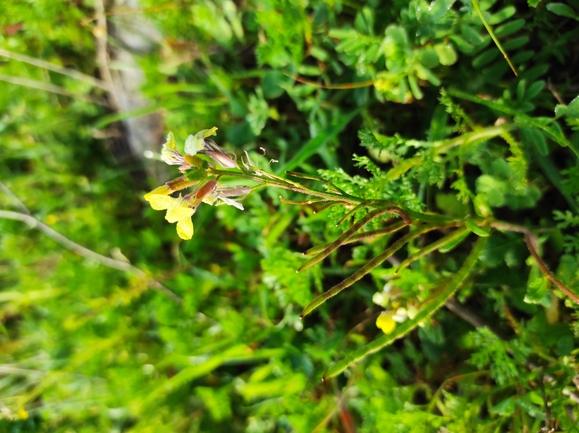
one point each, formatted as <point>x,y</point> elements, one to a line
<point>386,322</point>
<point>159,201</point>
<point>178,211</point>
<point>22,413</point>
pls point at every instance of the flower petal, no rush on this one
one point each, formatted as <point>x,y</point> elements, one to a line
<point>185,229</point>
<point>194,144</point>
<point>171,143</point>
<point>161,190</point>
<point>385,322</point>
<point>178,212</point>
<point>231,202</point>
<point>160,202</point>
<point>207,132</point>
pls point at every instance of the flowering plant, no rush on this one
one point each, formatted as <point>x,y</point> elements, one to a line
<point>196,173</point>
<point>204,163</point>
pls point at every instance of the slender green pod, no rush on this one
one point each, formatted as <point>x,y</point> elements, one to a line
<point>345,236</point>
<point>458,234</point>
<point>361,236</point>
<point>367,268</point>
<point>455,283</point>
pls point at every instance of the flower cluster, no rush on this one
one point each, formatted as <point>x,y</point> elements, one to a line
<point>200,154</point>
<point>395,312</point>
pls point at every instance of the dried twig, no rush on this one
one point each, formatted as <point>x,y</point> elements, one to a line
<point>47,87</point>
<point>100,32</point>
<point>55,68</point>
<point>85,252</point>
<point>530,240</point>
<point>14,198</point>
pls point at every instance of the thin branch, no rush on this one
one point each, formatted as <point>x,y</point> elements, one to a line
<point>554,91</point>
<point>530,240</point>
<point>47,87</point>
<point>14,198</point>
<point>85,252</point>
<point>55,68</point>
<point>465,314</point>
<point>344,86</point>
<point>100,32</point>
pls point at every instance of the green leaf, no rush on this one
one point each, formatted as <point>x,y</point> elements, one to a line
<point>428,58</point>
<point>536,139</point>
<point>415,88</point>
<point>536,291</point>
<point>450,205</point>
<point>534,89</point>
<point>560,110</point>
<point>505,407</point>
<point>562,10</point>
<point>485,58</point>
<point>509,28</point>
<point>493,188</point>
<point>316,143</point>
<point>426,74</point>
<point>573,109</point>
<point>446,54</point>
<point>438,8</point>
<point>502,15</point>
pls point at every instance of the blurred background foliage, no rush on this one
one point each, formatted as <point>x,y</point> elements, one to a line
<point>89,89</point>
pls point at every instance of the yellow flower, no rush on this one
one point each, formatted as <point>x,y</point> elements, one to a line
<point>386,322</point>
<point>178,211</point>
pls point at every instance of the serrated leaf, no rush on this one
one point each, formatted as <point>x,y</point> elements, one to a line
<point>536,291</point>
<point>573,109</point>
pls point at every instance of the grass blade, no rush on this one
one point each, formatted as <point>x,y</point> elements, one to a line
<point>318,141</point>
<point>492,34</point>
